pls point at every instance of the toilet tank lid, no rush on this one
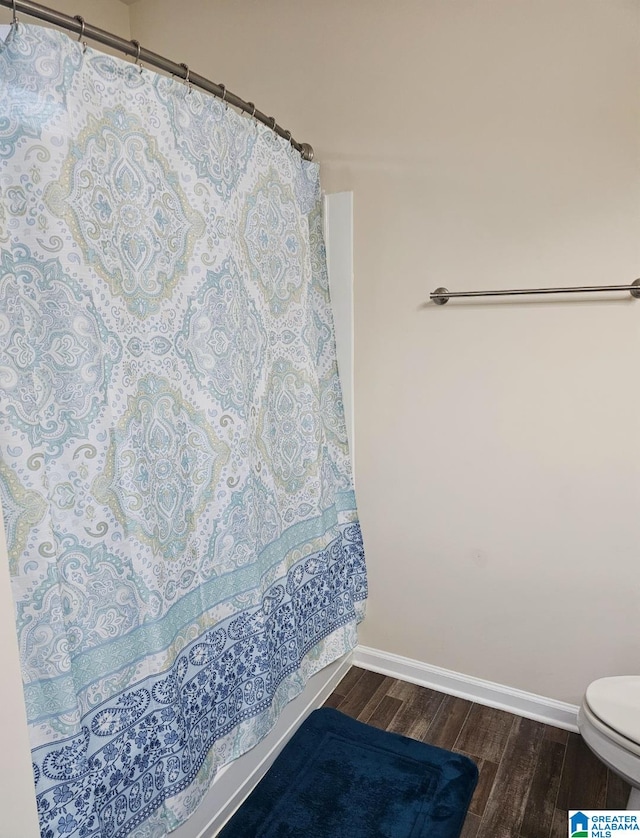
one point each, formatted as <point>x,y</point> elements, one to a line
<point>616,702</point>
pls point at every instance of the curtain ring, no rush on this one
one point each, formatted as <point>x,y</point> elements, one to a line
<point>81,19</point>
<point>224,91</point>
<point>14,21</point>
<point>186,77</point>
<point>81,35</point>
<point>137,61</point>
<point>273,123</point>
<point>253,112</point>
<point>287,136</point>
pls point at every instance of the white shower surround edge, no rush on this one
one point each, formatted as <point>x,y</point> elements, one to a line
<point>237,779</point>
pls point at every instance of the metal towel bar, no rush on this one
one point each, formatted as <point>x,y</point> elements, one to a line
<point>441,295</point>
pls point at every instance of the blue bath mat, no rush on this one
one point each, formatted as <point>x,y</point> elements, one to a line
<point>339,778</point>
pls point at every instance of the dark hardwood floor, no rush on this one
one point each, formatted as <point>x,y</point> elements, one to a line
<point>531,774</point>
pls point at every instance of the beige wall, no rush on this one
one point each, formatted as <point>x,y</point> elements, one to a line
<point>492,143</point>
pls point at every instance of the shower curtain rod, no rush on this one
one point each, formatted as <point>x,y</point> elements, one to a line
<point>441,295</point>
<point>78,25</point>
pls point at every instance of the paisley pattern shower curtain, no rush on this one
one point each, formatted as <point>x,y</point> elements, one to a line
<point>174,474</point>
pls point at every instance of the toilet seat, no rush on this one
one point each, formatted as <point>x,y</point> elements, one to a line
<point>612,705</point>
<point>606,732</point>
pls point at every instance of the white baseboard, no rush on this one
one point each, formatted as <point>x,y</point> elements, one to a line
<point>529,705</point>
<point>236,781</point>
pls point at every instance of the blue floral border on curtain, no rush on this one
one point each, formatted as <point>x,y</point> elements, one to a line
<point>174,474</point>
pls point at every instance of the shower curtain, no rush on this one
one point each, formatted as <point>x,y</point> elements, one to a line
<point>174,474</point>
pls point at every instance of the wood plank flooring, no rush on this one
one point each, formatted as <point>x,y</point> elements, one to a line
<point>531,774</point>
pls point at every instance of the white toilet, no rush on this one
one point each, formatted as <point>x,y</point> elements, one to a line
<point>609,721</point>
